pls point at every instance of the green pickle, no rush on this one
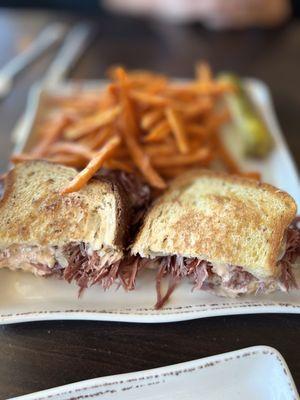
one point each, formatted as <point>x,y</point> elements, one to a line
<point>256,138</point>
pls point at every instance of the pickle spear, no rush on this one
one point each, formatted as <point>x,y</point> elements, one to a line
<point>256,138</point>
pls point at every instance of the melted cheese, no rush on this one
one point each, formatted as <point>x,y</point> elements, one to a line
<point>28,258</point>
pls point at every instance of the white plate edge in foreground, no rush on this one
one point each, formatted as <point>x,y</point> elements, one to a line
<point>208,362</point>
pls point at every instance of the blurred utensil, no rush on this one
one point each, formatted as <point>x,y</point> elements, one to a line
<point>49,36</point>
<point>73,46</point>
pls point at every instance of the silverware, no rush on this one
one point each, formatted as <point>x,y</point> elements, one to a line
<point>48,37</point>
<point>73,46</point>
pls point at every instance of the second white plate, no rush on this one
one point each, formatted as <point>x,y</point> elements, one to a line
<point>258,373</point>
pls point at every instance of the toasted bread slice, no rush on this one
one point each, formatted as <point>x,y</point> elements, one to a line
<point>220,218</point>
<point>33,212</point>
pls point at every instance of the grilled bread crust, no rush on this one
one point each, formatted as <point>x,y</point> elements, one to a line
<point>33,212</point>
<point>220,218</point>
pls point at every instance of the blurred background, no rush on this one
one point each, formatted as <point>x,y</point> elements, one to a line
<point>250,37</point>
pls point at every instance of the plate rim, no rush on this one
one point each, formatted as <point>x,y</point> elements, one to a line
<point>150,315</point>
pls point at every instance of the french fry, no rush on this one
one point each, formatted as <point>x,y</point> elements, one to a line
<point>159,132</point>
<point>162,128</point>
<point>52,134</point>
<point>150,118</point>
<point>203,88</point>
<point>96,140</point>
<point>72,148</point>
<point>129,134</point>
<point>203,72</point>
<point>252,175</point>
<point>148,99</point>
<point>178,129</point>
<point>71,160</point>
<point>201,157</point>
<point>67,159</point>
<point>195,108</point>
<point>87,173</point>
<point>140,79</point>
<point>142,161</point>
<point>86,140</point>
<point>159,149</point>
<point>180,92</point>
<point>91,123</point>
<point>17,158</point>
<point>155,87</point>
<point>141,75</point>
<point>129,119</point>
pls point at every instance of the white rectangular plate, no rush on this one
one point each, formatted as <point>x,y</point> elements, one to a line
<point>25,297</point>
<point>258,373</point>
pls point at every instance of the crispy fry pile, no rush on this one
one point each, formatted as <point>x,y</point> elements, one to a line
<point>143,123</point>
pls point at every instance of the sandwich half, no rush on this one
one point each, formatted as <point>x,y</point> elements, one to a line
<point>228,235</point>
<point>79,237</point>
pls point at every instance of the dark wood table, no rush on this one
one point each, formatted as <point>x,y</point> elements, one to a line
<point>37,356</point>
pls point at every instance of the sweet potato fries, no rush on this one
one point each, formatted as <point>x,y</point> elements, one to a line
<point>141,122</point>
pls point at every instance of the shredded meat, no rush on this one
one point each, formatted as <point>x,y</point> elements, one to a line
<point>89,269</point>
<point>129,269</point>
<point>226,280</point>
<point>74,263</point>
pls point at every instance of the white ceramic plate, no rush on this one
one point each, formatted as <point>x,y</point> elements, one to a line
<point>25,297</point>
<point>258,373</point>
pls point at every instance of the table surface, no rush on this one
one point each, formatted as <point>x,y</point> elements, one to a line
<point>36,356</point>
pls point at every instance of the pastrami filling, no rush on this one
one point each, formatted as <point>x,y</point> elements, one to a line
<point>78,263</point>
<point>88,268</point>
<point>224,279</point>
<point>75,262</point>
